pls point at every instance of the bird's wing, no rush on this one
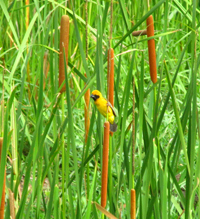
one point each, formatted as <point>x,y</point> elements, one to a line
<point>110,105</point>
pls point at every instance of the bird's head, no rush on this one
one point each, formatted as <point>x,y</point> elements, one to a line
<point>96,95</point>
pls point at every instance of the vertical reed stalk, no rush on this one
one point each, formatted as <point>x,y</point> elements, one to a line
<point>4,185</point>
<point>14,140</point>
<point>12,204</point>
<point>86,29</point>
<point>63,58</point>
<point>28,68</point>
<point>133,135</point>
<point>87,117</point>
<point>111,22</point>
<point>64,41</point>
<point>14,147</point>
<point>110,69</point>
<point>2,102</point>
<point>104,177</point>
<point>110,188</point>
<point>151,49</point>
<point>45,68</point>
<point>133,205</point>
<point>63,163</point>
<point>110,76</point>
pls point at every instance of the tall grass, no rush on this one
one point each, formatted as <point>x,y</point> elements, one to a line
<point>50,168</point>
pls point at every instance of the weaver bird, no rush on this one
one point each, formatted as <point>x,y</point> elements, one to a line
<point>105,108</point>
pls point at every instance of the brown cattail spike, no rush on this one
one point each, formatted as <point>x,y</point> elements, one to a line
<point>133,204</point>
<point>104,177</point>
<point>64,41</point>
<point>151,49</point>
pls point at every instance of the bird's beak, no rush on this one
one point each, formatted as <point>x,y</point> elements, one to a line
<point>93,97</point>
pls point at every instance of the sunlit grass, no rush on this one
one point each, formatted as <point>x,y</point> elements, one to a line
<point>45,130</point>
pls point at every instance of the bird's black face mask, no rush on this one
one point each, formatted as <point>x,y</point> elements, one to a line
<point>94,97</point>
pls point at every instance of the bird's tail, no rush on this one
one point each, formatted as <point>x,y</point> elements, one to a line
<point>113,127</point>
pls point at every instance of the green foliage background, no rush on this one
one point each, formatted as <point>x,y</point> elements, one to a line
<point>44,148</point>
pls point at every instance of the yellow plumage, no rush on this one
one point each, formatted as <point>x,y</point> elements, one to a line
<point>105,108</point>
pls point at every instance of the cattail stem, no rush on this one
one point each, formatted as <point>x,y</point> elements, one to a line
<point>86,29</point>
<point>133,204</point>
<point>64,41</point>
<point>139,33</point>
<point>151,49</point>
<point>104,177</point>
<point>110,78</point>
<point>111,22</point>
<point>133,134</point>
<point>87,118</point>
<point>4,186</point>
<point>28,67</point>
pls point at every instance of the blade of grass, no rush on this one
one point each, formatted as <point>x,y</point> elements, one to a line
<point>5,140</point>
<point>88,212</point>
<point>80,46</point>
<point>183,10</point>
<point>22,47</point>
<point>72,136</point>
<point>180,130</point>
<point>192,134</point>
<point>6,14</point>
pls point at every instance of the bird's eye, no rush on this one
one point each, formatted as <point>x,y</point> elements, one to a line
<point>96,96</point>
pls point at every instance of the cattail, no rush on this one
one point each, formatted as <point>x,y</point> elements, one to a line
<point>4,186</point>
<point>110,76</point>
<point>139,33</point>
<point>87,119</point>
<point>151,49</point>
<point>64,41</point>
<point>104,177</point>
<point>133,204</point>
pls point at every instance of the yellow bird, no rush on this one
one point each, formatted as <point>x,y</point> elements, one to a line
<point>105,108</point>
